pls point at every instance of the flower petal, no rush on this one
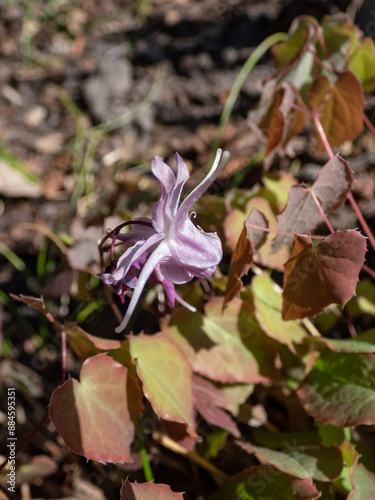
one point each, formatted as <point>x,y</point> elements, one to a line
<point>161,211</point>
<point>182,176</point>
<point>133,253</point>
<point>155,258</point>
<point>195,251</point>
<point>186,205</point>
<point>173,271</point>
<point>137,232</point>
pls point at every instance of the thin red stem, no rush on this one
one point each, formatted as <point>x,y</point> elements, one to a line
<point>63,356</point>
<point>361,219</point>
<point>369,271</point>
<point>350,197</point>
<point>322,211</point>
<point>322,134</point>
<point>276,231</point>
<point>368,124</point>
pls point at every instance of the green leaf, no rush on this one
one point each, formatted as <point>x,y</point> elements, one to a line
<point>268,304</point>
<point>364,342</point>
<point>340,389</point>
<point>227,346</point>
<point>340,34</point>
<point>362,63</point>
<point>166,377</point>
<point>364,484</point>
<point>331,435</point>
<point>317,462</point>
<point>86,345</point>
<point>266,483</point>
<point>301,33</point>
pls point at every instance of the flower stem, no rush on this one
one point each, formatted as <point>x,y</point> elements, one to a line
<point>147,471</point>
<point>322,134</point>
<point>240,80</point>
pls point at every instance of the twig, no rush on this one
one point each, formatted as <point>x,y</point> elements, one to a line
<point>350,197</point>
<point>368,124</point>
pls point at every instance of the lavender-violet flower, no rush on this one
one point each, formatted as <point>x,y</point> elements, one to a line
<point>168,248</point>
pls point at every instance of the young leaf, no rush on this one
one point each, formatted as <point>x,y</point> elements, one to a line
<point>362,63</point>
<point>316,276</point>
<point>148,491</point>
<point>98,401</point>
<point>286,120</point>
<point>340,106</point>
<point>267,302</point>
<point>86,345</point>
<point>242,257</point>
<point>209,401</point>
<point>228,346</point>
<point>302,32</point>
<point>363,482</point>
<point>340,389</point>
<point>257,236</point>
<point>240,262</point>
<point>264,256</point>
<point>301,214</point>
<point>318,462</point>
<point>166,377</point>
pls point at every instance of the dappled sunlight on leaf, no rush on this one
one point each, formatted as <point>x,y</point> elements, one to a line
<point>98,401</point>
<point>166,377</point>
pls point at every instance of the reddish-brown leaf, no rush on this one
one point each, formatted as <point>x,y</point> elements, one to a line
<point>301,214</point>
<point>148,491</point>
<point>250,238</point>
<point>241,260</point>
<point>92,415</point>
<point>340,106</point>
<point>316,276</point>
<point>256,236</point>
<point>286,120</point>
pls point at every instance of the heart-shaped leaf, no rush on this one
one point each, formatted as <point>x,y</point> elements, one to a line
<point>166,377</point>
<point>362,63</point>
<point>301,213</point>
<point>268,302</point>
<point>251,238</point>
<point>340,106</point>
<point>316,276</point>
<point>227,346</point>
<point>92,415</point>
